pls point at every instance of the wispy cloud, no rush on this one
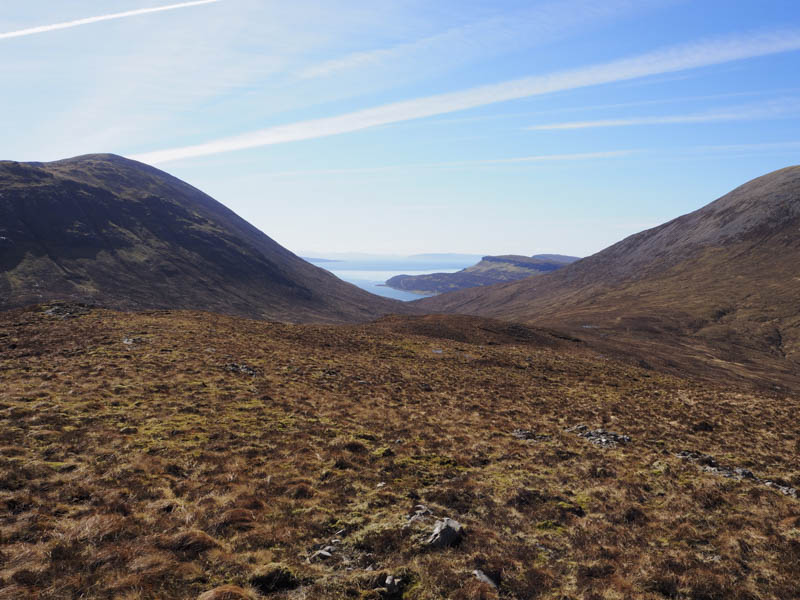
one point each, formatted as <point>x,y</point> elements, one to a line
<point>596,107</point>
<point>537,25</point>
<point>748,147</point>
<point>668,60</point>
<point>98,19</point>
<point>459,164</point>
<point>767,111</point>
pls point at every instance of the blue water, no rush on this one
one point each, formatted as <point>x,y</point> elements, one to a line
<point>371,275</point>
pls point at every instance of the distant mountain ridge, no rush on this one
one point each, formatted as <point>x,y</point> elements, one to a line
<point>490,270</point>
<point>105,229</point>
<point>718,287</point>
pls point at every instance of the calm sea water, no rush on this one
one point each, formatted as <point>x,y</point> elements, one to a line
<point>372,275</point>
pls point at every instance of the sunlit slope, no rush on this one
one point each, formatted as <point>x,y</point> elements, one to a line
<point>723,281</point>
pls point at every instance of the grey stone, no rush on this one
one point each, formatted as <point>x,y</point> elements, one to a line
<point>484,578</point>
<point>392,584</point>
<point>709,464</point>
<point>241,368</point>
<point>600,437</point>
<point>446,532</point>
<point>527,434</point>
<point>419,513</point>
<point>319,555</point>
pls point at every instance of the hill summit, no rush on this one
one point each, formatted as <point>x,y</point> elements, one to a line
<point>104,229</point>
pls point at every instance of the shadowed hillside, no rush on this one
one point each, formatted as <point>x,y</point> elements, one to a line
<point>104,229</point>
<point>715,290</point>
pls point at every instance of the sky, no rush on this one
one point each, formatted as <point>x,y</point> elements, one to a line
<point>410,126</point>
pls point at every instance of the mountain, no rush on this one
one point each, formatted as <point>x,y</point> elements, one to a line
<point>715,290</point>
<point>490,269</point>
<point>104,229</point>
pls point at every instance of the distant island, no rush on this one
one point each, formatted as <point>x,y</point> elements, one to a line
<point>490,269</point>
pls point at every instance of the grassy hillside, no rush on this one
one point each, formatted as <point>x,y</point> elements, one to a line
<point>169,454</point>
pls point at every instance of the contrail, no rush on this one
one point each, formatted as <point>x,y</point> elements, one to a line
<point>90,20</point>
<point>667,60</point>
<point>775,109</point>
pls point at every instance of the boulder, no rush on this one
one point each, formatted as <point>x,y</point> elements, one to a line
<point>446,533</point>
<point>484,578</point>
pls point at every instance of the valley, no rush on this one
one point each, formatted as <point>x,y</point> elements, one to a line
<point>621,426</point>
<point>401,300</point>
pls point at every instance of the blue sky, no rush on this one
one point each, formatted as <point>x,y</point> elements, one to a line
<point>405,126</point>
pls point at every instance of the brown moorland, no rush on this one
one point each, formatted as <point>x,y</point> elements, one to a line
<point>714,293</point>
<point>182,454</point>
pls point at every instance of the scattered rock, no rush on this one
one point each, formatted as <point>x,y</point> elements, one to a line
<point>130,341</point>
<point>600,437</point>
<point>320,555</point>
<point>274,578</point>
<point>786,490</point>
<point>419,512</point>
<point>484,578</point>
<point>527,434</point>
<point>68,310</point>
<point>226,592</point>
<point>241,368</point>
<point>447,532</point>
<point>710,464</point>
<point>388,585</point>
<point>392,584</point>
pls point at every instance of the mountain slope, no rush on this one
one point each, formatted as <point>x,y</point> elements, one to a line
<point>719,286</point>
<point>490,269</point>
<point>104,229</point>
